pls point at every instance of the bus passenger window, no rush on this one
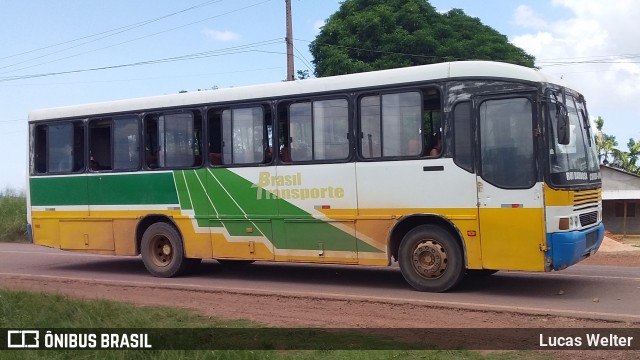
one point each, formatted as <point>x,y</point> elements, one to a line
<point>390,125</point>
<point>126,143</point>
<point>400,125</point>
<point>172,140</point>
<point>370,127</point>
<point>59,148</point>
<point>316,130</point>
<point>39,159</point>
<point>238,136</point>
<point>463,141</point>
<point>300,134</point>
<point>100,144</point>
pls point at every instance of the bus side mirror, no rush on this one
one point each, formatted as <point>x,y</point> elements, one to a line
<point>562,117</point>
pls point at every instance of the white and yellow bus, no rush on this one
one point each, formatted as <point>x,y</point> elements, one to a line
<point>448,169</point>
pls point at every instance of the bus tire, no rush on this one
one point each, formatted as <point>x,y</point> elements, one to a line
<point>163,253</point>
<point>431,259</point>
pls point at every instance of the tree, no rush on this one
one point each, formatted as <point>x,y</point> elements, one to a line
<point>302,74</point>
<point>634,152</point>
<point>366,35</point>
<point>606,145</point>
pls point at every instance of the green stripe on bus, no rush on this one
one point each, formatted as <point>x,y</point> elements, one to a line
<point>183,193</point>
<point>59,191</point>
<point>195,183</point>
<point>125,189</point>
<point>132,189</point>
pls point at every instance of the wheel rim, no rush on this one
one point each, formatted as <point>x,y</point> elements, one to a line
<point>161,250</point>
<point>429,259</point>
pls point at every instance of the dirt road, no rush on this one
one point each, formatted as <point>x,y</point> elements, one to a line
<point>291,310</point>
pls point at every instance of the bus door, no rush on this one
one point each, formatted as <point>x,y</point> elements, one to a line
<point>510,200</point>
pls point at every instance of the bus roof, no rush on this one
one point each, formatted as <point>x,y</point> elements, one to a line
<point>440,71</point>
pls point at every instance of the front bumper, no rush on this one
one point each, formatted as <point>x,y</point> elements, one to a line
<point>568,248</point>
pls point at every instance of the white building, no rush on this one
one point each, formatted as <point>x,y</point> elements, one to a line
<point>620,201</point>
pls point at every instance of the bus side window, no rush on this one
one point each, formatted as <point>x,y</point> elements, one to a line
<point>151,146</point>
<point>59,148</point>
<point>370,127</point>
<point>463,143</point>
<point>283,133</point>
<point>40,149</point>
<point>300,133</point>
<point>432,122</point>
<point>315,130</point>
<point>126,143</point>
<point>214,119</point>
<point>390,125</point>
<point>237,136</point>
<point>78,147</point>
<point>100,144</point>
<point>172,139</point>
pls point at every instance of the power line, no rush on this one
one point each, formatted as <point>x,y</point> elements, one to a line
<point>12,120</point>
<point>220,52</point>
<point>304,60</point>
<point>148,78</point>
<point>142,37</point>
<point>620,56</point>
<point>567,63</point>
<point>111,32</point>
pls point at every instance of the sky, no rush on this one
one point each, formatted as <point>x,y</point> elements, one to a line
<point>87,50</point>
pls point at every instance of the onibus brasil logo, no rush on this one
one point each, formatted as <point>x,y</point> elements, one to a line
<point>32,339</point>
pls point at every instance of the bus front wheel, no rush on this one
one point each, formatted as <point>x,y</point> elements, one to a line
<point>431,259</point>
<point>163,253</point>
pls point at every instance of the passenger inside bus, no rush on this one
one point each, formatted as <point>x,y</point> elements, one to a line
<point>437,148</point>
<point>414,147</point>
<point>268,155</point>
<point>285,156</point>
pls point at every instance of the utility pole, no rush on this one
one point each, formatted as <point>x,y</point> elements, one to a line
<point>289,39</point>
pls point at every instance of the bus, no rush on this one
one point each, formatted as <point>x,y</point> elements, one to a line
<point>448,169</point>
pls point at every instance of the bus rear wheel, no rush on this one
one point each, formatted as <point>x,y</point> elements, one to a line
<point>431,259</point>
<point>163,253</point>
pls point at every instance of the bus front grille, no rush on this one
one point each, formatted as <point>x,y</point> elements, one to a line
<point>589,218</point>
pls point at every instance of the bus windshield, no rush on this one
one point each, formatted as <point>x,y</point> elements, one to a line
<point>575,163</point>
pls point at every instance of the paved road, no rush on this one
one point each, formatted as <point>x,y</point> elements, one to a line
<point>597,292</point>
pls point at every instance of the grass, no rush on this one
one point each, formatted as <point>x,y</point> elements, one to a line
<point>13,216</point>
<point>23,310</point>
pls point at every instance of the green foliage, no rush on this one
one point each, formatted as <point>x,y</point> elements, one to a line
<point>13,216</point>
<point>366,35</point>
<point>19,310</point>
<point>302,74</point>
<point>609,154</point>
